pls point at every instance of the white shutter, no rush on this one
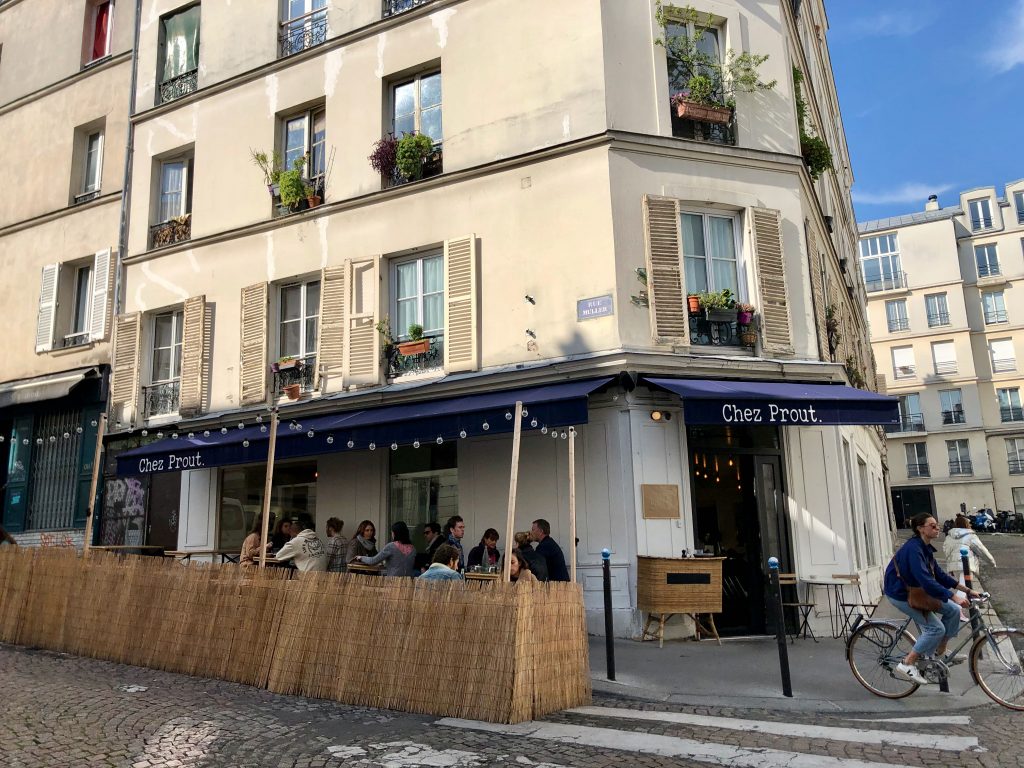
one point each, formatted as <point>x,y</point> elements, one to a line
<point>330,353</point>
<point>944,352</point>
<point>461,345</point>
<point>193,342</point>
<point>665,290</point>
<point>47,308</point>
<point>124,364</point>
<point>362,351</point>
<point>102,280</point>
<point>252,365</point>
<point>766,225</point>
<point>903,360</point>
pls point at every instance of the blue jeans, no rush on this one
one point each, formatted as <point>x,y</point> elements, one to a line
<point>934,626</point>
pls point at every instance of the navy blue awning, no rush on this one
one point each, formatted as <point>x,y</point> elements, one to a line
<point>551,405</point>
<point>778,403</point>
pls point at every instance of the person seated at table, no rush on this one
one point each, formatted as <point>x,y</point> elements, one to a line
<point>445,566</point>
<point>398,555</point>
<point>432,535</point>
<point>337,546</point>
<point>537,564</point>
<point>364,543</point>
<point>306,550</point>
<point>454,530</point>
<point>518,568</point>
<point>282,533</point>
<point>250,553</point>
<point>486,552</point>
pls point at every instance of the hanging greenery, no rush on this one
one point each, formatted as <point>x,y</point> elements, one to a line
<point>815,150</point>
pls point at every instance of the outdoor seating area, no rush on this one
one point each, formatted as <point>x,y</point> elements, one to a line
<point>522,648</point>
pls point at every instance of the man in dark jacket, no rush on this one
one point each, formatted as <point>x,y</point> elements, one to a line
<point>549,550</point>
<point>432,535</point>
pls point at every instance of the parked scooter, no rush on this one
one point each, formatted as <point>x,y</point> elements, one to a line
<point>984,521</point>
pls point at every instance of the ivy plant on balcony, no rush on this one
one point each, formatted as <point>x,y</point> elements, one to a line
<point>709,84</point>
<point>815,150</point>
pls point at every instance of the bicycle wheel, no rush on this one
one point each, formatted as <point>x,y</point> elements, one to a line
<point>874,651</point>
<point>998,666</point>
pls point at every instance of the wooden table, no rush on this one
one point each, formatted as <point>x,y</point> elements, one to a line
<point>131,549</point>
<point>186,555</point>
<point>370,570</point>
<point>666,586</point>
<point>477,576</point>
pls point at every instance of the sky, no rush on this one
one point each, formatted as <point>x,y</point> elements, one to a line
<point>932,97</point>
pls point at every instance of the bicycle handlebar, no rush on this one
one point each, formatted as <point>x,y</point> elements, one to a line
<point>983,597</point>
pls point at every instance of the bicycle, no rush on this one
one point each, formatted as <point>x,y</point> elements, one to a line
<point>996,658</point>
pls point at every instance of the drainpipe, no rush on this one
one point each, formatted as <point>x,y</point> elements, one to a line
<point>126,184</point>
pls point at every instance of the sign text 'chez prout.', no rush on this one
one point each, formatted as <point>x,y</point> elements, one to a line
<point>172,463</point>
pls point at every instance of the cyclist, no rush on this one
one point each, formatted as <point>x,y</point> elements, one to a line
<point>914,565</point>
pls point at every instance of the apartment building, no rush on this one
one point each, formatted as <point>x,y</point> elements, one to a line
<point>543,243</point>
<point>945,326</point>
<point>65,71</point>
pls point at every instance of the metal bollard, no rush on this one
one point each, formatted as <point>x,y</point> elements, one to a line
<point>780,628</point>
<point>609,628</point>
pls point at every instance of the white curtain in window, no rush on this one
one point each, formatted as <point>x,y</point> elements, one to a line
<point>723,253</point>
<point>181,43</point>
<point>171,190</point>
<point>433,294</point>
<point>896,312</point>
<point>694,255</point>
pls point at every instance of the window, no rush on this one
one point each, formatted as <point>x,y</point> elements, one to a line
<point>911,418</point>
<point>391,7</point>
<point>936,309</point>
<point>903,363</point>
<point>981,214</point>
<point>161,396</point>
<point>298,324</point>
<point>880,258</point>
<point>424,486</point>
<point>987,260</point>
<point>306,134</point>
<point>1015,455</point>
<point>418,291</point>
<point>1018,500</point>
<point>303,25</point>
<point>173,203</point>
<point>994,307</point>
<point>73,302</point>
<point>416,108</point>
<point>1002,355</point>
<point>81,316</point>
<point>917,460</point>
<point>708,42</point>
<point>93,163</point>
<point>959,457</point>
<point>292,491</point>
<point>951,403</point>
<point>944,357</point>
<point>98,19</point>
<point>866,510</point>
<point>1009,404</point>
<point>896,315</point>
<point>1018,203</point>
<point>178,71</point>
<point>709,252</point>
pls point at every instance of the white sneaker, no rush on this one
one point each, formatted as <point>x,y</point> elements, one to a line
<point>911,672</point>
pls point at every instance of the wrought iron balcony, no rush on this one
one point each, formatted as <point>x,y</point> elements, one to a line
<point>302,32</point>
<point>944,367</point>
<point>75,339</point>
<point>1011,413</point>
<point>397,364</point>
<point>85,197</point>
<point>891,283</point>
<point>392,7</point>
<point>937,319</point>
<point>177,230</point>
<point>981,222</point>
<point>301,371</point>
<point>961,467</point>
<point>993,316</point>
<point>160,399</point>
<point>698,130</point>
<point>1004,365</point>
<point>989,270</point>
<point>899,324</point>
<point>912,422</point>
<point>1016,466</point>
<point>707,332</point>
<point>904,372</point>
<point>179,86</point>
<point>918,470</point>
<point>953,417</point>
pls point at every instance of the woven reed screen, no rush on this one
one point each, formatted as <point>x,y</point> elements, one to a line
<point>484,651</point>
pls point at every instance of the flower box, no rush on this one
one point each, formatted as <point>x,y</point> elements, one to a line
<point>414,347</point>
<point>721,315</point>
<point>704,113</point>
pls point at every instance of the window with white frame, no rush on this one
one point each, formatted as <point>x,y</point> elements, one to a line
<point>994,307</point>
<point>1018,500</point>
<point>298,320</point>
<point>416,107</point>
<point>981,213</point>
<point>418,291</point>
<point>1015,454</point>
<point>81,308</point>
<point>959,457</point>
<point>896,315</point>
<point>903,366</point>
<point>162,394</point>
<point>178,56</point>
<point>305,135</point>
<point>880,260</point>
<point>937,309</point>
<point>944,357</point>
<point>98,24</point>
<point>917,460</point>
<point>1018,203</point>
<point>709,252</point>
<point>303,25</point>
<point>175,190</point>
<point>1009,404</point>
<point>93,163</point>
<point>987,259</point>
<point>952,405</point>
<point>911,417</point>
<point>1002,355</point>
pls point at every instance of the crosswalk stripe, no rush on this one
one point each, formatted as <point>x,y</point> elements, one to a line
<point>663,746</point>
<point>832,733</point>
<point>945,719</point>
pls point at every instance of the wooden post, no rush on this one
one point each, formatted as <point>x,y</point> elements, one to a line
<point>97,452</point>
<point>572,504</point>
<point>512,482</point>
<point>265,524</point>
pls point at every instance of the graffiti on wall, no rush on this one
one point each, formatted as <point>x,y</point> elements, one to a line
<point>58,539</point>
<point>124,512</point>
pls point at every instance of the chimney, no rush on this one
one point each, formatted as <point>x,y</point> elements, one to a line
<point>932,204</point>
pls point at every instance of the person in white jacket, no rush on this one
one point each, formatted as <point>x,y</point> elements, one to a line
<point>306,550</point>
<point>961,535</point>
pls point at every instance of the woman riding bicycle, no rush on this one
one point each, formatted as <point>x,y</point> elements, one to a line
<point>914,565</point>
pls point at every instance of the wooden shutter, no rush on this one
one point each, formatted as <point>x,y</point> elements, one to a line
<point>193,345</point>
<point>47,307</point>
<point>814,259</point>
<point>252,363</point>
<point>769,262</point>
<point>665,291</point>
<point>362,364</point>
<point>124,382</point>
<point>330,353</point>
<point>102,280</point>
<point>461,345</point>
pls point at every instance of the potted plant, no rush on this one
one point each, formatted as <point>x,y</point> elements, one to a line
<point>707,83</point>
<point>384,157</point>
<point>292,391</point>
<point>270,165</point>
<point>287,363</point>
<point>312,198</point>
<point>693,303</point>
<point>744,313</point>
<point>718,306</point>
<point>417,344</point>
<point>293,188</point>
<point>413,150</point>
<point>815,150</point>
<point>748,336</point>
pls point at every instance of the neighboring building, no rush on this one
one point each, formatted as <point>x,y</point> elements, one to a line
<point>945,326</point>
<point>556,175</point>
<point>64,83</point>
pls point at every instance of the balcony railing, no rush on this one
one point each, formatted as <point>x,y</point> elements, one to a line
<point>302,32</point>
<point>1016,466</point>
<point>912,422</point>
<point>1011,413</point>
<point>85,197</point>
<point>953,417</point>
<point>391,7</point>
<point>993,316</point>
<point>944,367</point>
<point>707,332</point>
<point>918,470</point>
<point>698,130</point>
<point>981,222</point>
<point>899,324</point>
<point>988,270</point>
<point>177,230</point>
<point>160,399</point>
<point>433,165</point>
<point>1004,365</point>
<point>961,467</point>
<point>891,283</point>
<point>937,319</point>
<point>904,372</point>
<point>179,86</point>
<point>398,364</point>
<point>75,339</point>
<point>302,372</point>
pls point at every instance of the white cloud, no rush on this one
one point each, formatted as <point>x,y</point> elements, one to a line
<point>1007,51</point>
<point>911,192</point>
<point>893,23</point>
